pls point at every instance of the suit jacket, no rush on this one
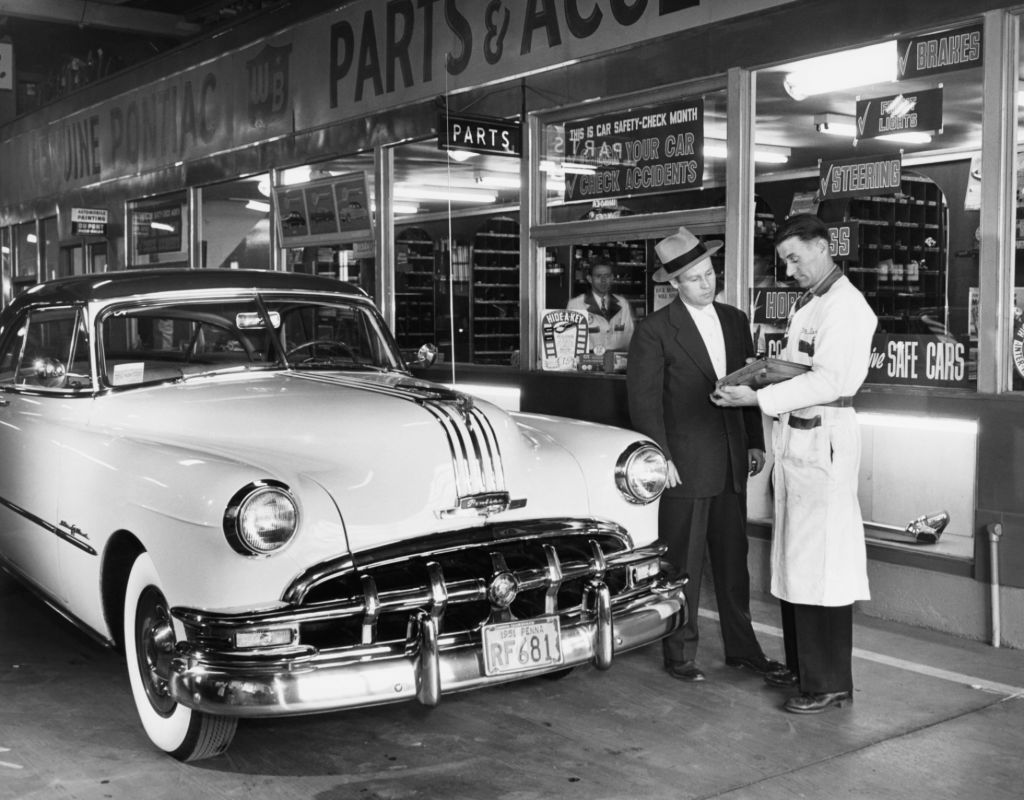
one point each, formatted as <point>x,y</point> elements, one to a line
<point>669,379</point>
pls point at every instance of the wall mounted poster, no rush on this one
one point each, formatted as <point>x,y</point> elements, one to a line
<point>333,210</point>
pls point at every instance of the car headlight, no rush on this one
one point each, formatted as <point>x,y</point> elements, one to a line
<point>261,518</point>
<point>641,472</point>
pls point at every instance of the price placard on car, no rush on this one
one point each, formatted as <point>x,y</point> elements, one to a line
<point>522,645</point>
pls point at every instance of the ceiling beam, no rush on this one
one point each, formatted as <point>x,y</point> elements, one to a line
<point>103,15</point>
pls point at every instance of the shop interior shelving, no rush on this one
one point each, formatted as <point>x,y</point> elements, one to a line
<point>414,288</point>
<point>901,268</point>
<point>495,291</point>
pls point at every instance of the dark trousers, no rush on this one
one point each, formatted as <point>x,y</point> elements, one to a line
<point>819,646</point>
<point>691,527</point>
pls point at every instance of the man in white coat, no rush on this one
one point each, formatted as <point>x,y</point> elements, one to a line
<point>610,315</point>
<point>819,559</point>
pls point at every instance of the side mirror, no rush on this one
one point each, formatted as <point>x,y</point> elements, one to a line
<point>425,356</point>
<point>49,372</point>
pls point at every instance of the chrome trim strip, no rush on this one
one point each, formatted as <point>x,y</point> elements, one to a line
<point>68,535</point>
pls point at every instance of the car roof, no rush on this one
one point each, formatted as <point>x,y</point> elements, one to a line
<point>126,283</point>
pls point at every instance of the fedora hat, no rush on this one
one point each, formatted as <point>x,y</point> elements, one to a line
<point>681,251</point>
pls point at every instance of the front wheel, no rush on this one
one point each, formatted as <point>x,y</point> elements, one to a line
<point>185,734</point>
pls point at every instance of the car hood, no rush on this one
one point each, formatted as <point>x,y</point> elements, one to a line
<point>400,457</point>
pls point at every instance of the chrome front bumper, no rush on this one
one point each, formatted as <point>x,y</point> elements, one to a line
<point>427,668</point>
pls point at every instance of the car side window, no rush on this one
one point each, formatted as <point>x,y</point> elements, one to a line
<point>47,350</point>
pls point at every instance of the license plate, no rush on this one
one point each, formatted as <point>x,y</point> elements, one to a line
<point>522,645</point>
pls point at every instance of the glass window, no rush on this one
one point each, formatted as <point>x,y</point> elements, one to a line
<point>457,266</point>
<point>893,160</point>
<point>158,231</point>
<point>668,155</point>
<point>1016,366</point>
<point>50,248</point>
<point>26,256</point>
<point>167,342</point>
<point>47,350</point>
<point>325,218</point>
<point>236,224</point>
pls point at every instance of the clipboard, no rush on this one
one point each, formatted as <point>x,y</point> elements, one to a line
<point>763,372</point>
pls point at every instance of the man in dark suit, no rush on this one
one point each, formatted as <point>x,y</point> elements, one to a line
<point>675,357</point>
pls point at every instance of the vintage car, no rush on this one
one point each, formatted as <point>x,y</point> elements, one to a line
<point>236,477</point>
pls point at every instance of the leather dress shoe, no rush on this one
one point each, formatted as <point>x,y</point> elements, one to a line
<point>782,679</point>
<point>760,664</point>
<point>684,670</point>
<point>815,703</point>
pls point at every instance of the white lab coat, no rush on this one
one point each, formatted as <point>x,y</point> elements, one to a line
<point>818,551</point>
<point>608,331</point>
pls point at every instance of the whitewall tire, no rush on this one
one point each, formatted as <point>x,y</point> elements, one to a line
<point>149,645</point>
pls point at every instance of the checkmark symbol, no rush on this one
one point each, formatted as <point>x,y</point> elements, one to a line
<point>862,121</point>
<point>902,67</point>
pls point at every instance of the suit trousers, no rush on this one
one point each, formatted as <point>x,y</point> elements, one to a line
<point>819,646</point>
<point>691,527</point>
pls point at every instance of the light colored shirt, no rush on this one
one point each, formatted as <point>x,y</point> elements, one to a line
<point>710,328</point>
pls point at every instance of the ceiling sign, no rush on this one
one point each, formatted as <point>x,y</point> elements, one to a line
<point>479,135</point>
<point>921,56</point>
<point>656,149</point>
<point>859,176</point>
<point>913,112</point>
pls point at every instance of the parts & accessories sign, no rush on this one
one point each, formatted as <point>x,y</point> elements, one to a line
<point>646,151</point>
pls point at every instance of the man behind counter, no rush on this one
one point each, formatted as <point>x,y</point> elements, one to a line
<point>611,318</point>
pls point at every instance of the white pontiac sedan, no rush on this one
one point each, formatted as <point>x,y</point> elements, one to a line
<point>234,476</point>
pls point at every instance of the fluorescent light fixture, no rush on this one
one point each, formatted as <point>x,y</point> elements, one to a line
<point>399,208</point>
<point>258,205</point>
<point>567,168</point>
<point>858,67</point>
<point>460,155</point>
<point>161,226</point>
<point>763,153</point>
<point>412,191</point>
<point>842,125</point>
<point>505,181</point>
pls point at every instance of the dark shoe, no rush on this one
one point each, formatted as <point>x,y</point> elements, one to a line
<point>759,664</point>
<point>816,703</point>
<point>684,671</point>
<point>782,679</point>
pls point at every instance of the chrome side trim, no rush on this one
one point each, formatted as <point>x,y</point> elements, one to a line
<point>72,535</point>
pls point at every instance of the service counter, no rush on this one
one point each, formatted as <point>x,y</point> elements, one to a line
<point>925,450</point>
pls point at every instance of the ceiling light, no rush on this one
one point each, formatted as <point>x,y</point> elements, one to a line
<point>461,155</point>
<point>763,153</point>
<point>506,181</point>
<point>412,191</point>
<point>258,205</point>
<point>567,168</point>
<point>858,67</point>
<point>842,125</point>
<point>161,226</point>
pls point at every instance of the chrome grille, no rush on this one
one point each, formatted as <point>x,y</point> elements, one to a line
<point>476,455</point>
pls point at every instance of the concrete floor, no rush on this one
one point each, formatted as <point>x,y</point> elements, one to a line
<point>935,717</point>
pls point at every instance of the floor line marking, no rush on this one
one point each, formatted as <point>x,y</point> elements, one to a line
<point>901,663</point>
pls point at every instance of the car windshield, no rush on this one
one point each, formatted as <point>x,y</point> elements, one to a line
<point>151,342</point>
